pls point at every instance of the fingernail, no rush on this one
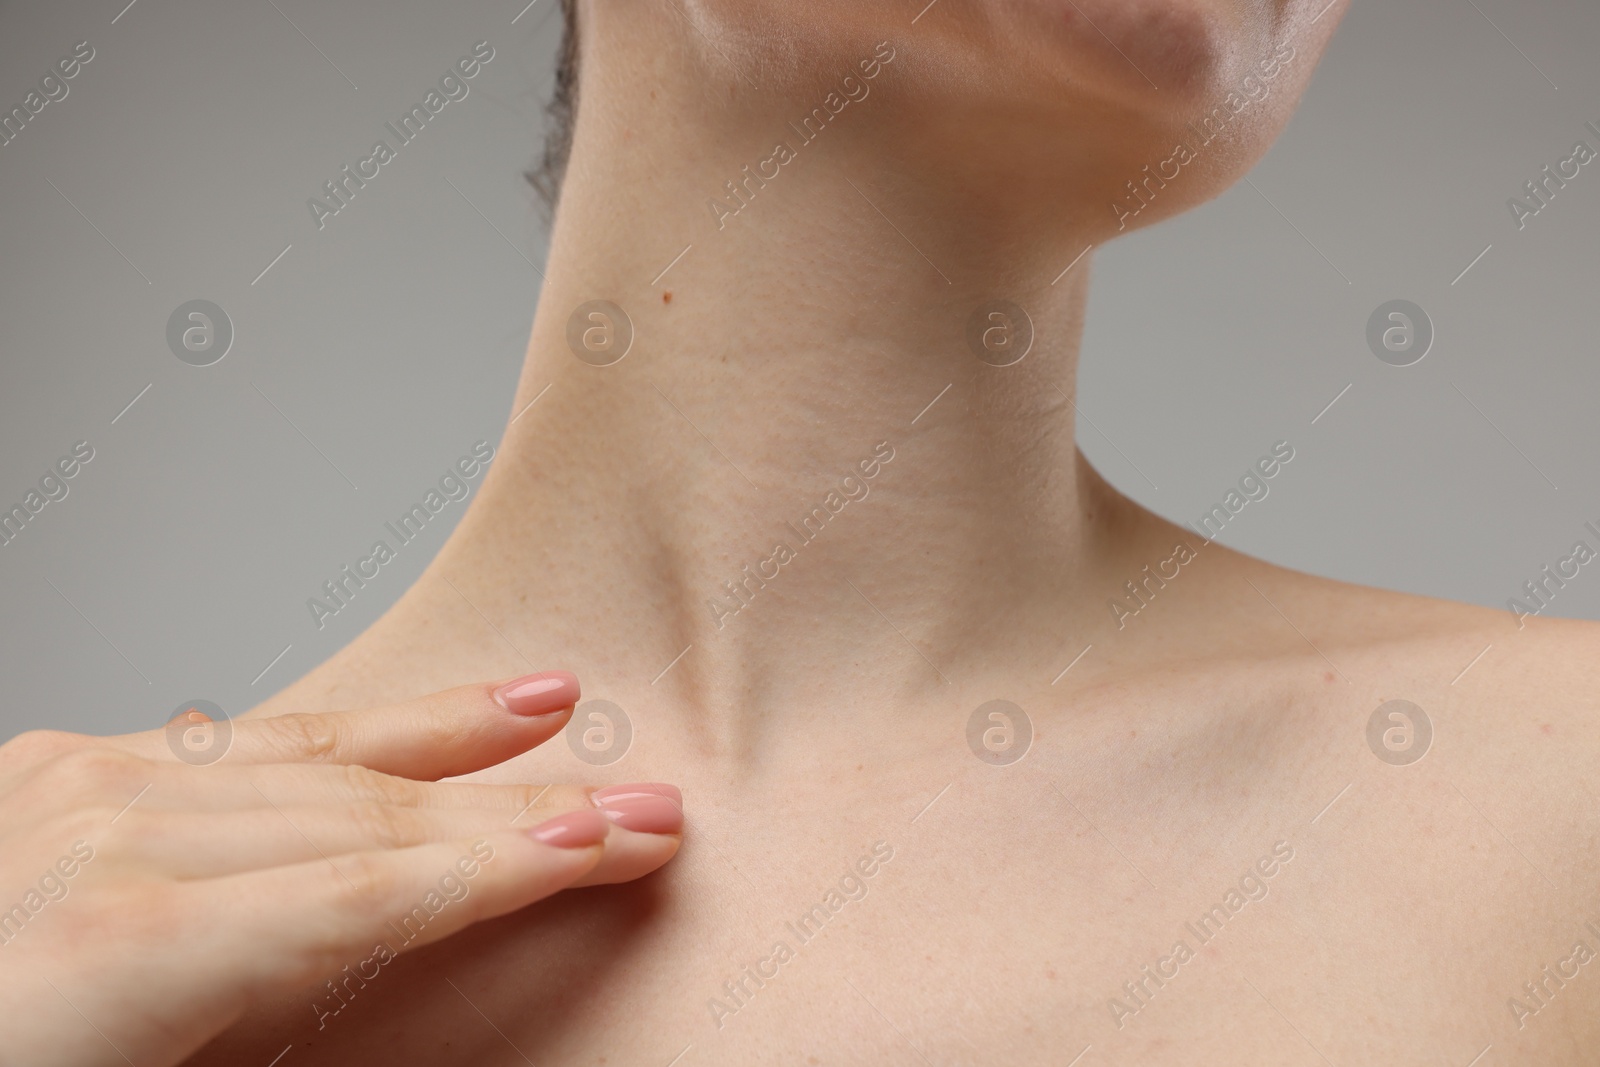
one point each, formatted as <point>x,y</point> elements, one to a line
<point>539,694</point>
<point>639,789</point>
<point>575,829</point>
<point>648,808</point>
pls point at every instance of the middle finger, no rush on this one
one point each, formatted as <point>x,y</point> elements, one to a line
<point>176,787</point>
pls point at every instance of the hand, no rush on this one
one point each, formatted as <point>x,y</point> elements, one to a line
<point>145,902</point>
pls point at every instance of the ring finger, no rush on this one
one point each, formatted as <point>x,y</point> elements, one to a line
<point>189,845</point>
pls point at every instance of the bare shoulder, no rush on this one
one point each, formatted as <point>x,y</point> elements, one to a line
<point>1437,768</point>
<point>1199,607</point>
<point>1211,604</point>
<point>1510,702</point>
<point>1482,654</point>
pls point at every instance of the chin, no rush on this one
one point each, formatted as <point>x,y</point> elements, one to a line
<point>1070,94</point>
<point>1134,48</point>
<point>1155,104</point>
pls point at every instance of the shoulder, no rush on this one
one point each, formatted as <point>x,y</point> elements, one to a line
<point>1494,653</point>
<point>1228,615</point>
<point>1509,702</point>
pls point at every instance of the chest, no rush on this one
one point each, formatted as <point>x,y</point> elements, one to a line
<point>1014,921</point>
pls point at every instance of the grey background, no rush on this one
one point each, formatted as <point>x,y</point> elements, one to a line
<point>377,350</point>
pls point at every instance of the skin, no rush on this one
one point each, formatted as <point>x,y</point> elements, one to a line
<point>188,874</point>
<point>1227,719</point>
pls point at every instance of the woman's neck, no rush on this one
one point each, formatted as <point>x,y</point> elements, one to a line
<point>801,480</point>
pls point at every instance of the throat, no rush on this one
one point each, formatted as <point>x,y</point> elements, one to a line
<point>800,452</point>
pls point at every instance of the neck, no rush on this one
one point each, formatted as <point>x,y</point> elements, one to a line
<point>801,471</point>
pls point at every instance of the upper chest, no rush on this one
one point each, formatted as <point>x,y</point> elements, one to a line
<point>1015,921</point>
<point>1249,882</point>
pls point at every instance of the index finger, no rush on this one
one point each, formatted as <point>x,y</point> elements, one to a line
<point>448,733</point>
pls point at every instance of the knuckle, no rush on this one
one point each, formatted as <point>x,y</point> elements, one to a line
<point>379,788</point>
<point>93,774</point>
<point>35,747</point>
<point>305,735</point>
<point>443,722</point>
<point>135,833</point>
<point>557,797</point>
<point>132,916</point>
<point>91,823</point>
<point>363,883</point>
<point>88,824</point>
<point>385,826</point>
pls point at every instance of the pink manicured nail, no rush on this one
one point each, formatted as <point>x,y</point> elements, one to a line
<point>539,694</point>
<point>639,789</point>
<point>575,829</point>
<point>647,808</point>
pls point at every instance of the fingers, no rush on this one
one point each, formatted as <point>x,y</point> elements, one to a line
<point>101,778</point>
<point>631,855</point>
<point>190,845</point>
<point>646,828</point>
<point>185,844</point>
<point>286,785</point>
<point>441,735</point>
<point>26,751</point>
<point>307,922</point>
